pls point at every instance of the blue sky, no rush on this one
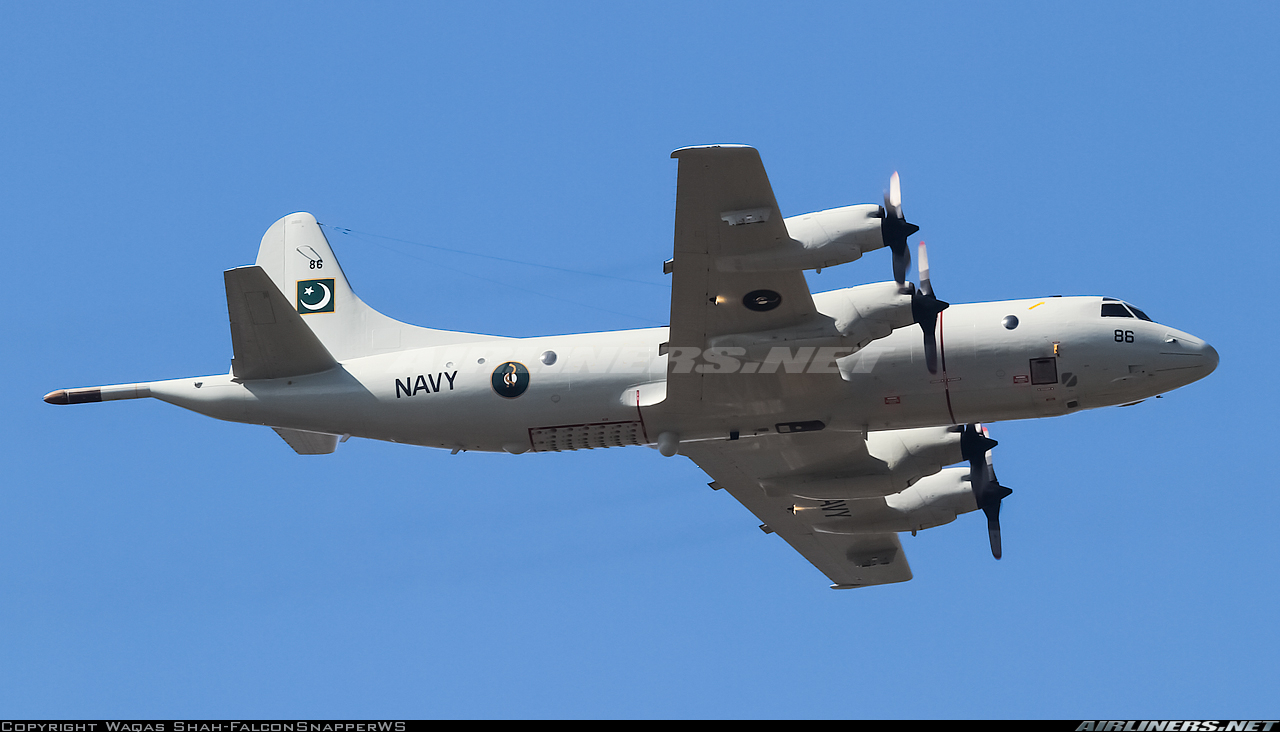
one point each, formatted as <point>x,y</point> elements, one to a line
<point>155,563</point>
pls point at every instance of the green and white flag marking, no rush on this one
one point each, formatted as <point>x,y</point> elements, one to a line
<point>315,296</point>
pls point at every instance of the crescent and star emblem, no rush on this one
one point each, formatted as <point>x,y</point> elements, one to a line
<point>315,296</point>
<point>328,294</point>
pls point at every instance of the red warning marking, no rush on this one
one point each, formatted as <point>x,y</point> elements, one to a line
<point>893,400</point>
<point>1021,379</point>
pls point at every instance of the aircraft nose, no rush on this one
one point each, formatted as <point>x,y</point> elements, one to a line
<point>1210,358</point>
<point>1185,357</point>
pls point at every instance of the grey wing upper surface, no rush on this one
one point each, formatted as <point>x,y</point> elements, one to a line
<point>725,213</point>
<point>725,208</point>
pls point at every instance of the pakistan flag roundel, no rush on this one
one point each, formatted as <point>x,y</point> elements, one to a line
<point>315,296</point>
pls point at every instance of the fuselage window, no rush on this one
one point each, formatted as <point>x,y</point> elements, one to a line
<point>1115,310</point>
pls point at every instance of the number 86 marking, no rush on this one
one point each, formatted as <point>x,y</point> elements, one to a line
<point>1124,336</point>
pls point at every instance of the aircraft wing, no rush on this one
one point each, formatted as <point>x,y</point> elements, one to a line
<point>725,209</point>
<point>739,467</point>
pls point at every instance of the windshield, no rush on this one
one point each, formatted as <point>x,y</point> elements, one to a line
<point>1140,314</point>
<point>1115,309</point>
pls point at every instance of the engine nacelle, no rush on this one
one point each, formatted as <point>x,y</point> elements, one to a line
<point>903,457</point>
<point>819,239</point>
<point>866,312</point>
<point>916,453</point>
<point>933,501</point>
<point>861,315</point>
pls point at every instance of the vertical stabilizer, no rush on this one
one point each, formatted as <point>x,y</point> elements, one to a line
<point>296,256</point>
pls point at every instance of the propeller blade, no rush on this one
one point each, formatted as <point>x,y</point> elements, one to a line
<point>893,231</point>
<point>974,446</point>
<point>895,194</point>
<point>925,286</point>
<point>991,468</point>
<point>930,349</point>
<point>995,494</point>
<point>993,528</point>
<point>924,310</point>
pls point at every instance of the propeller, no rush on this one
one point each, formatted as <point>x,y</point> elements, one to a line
<point>895,229</point>
<point>975,446</point>
<point>924,310</point>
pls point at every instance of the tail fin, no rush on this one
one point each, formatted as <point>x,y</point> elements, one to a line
<point>296,256</point>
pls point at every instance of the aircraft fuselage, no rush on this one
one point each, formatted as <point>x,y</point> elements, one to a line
<point>601,389</point>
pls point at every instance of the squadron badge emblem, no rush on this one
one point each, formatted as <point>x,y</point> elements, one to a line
<point>510,379</point>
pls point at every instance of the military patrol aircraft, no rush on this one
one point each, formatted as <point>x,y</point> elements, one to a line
<point>830,416</point>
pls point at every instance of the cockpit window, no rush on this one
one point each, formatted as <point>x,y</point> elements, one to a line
<point>1112,308</point>
<point>1141,315</point>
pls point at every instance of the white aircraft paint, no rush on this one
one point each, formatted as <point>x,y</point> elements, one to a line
<point>851,367</point>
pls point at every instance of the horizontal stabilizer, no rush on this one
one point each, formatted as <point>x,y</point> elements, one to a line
<point>308,443</point>
<point>269,339</point>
